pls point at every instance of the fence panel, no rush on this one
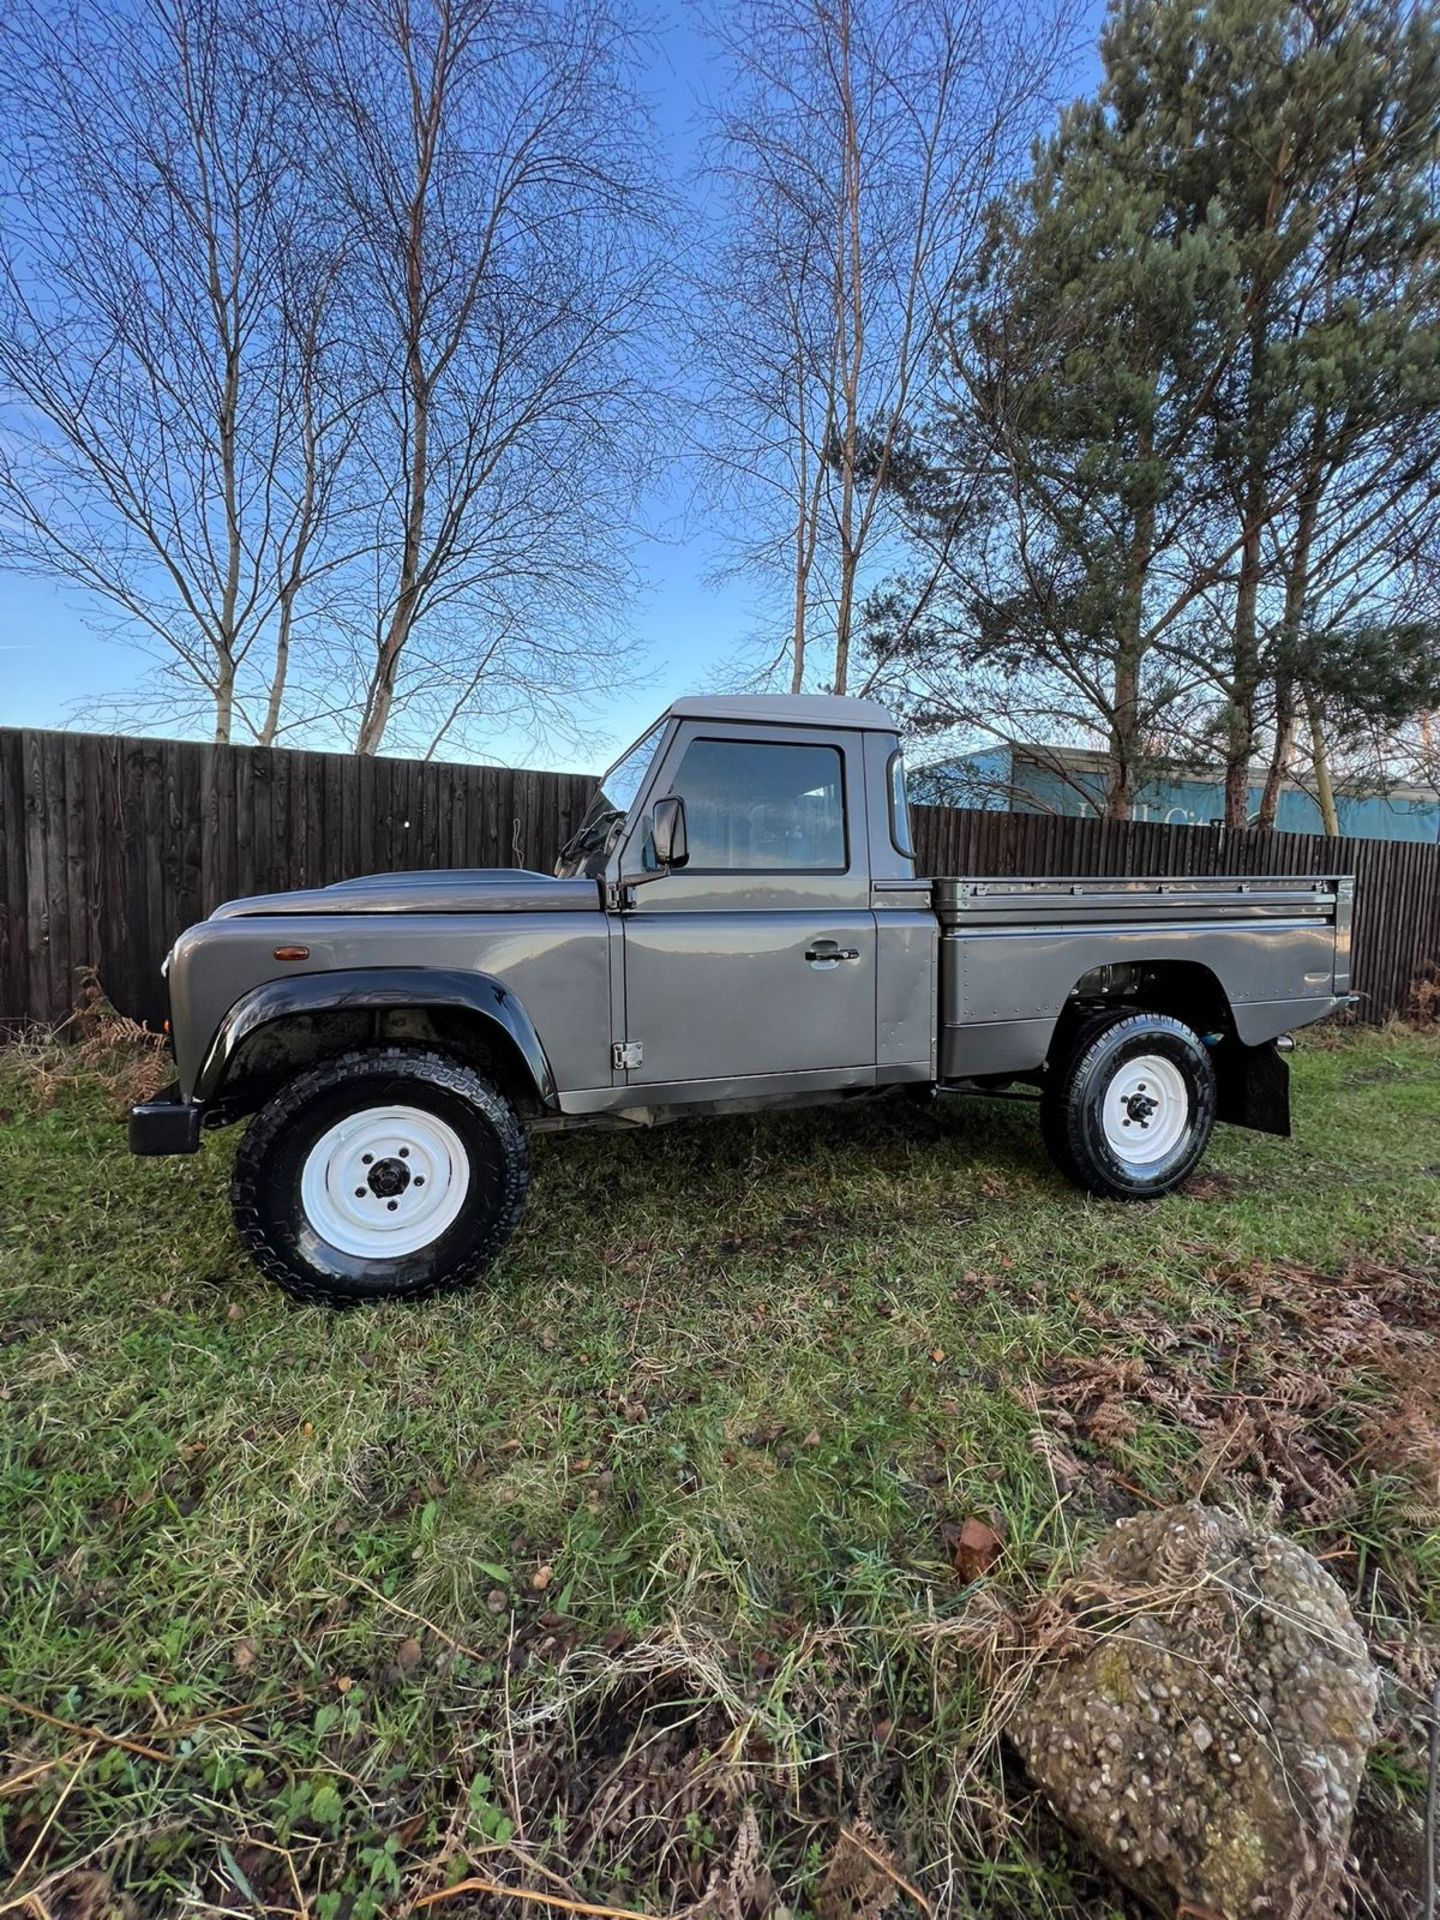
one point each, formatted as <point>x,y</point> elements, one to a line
<point>110,846</point>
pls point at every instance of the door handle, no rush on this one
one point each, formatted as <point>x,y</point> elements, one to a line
<point>826,954</point>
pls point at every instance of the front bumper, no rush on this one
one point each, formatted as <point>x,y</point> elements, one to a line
<point>166,1125</point>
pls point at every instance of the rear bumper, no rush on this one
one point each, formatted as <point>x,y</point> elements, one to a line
<point>166,1125</point>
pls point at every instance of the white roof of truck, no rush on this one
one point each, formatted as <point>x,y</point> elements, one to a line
<point>786,710</point>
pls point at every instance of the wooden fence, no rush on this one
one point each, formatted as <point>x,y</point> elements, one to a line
<point>109,846</point>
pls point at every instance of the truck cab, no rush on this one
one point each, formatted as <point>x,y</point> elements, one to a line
<point>782,943</point>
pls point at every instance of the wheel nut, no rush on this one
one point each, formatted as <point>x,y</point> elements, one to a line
<point>419,1179</point>
<point>392,1205</point>
<point>360,1193</point>
<point>404,1153</point>
<point>367,1158</point>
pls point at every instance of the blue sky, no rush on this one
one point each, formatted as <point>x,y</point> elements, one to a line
<point>690,634</point>
<point>52,659</point>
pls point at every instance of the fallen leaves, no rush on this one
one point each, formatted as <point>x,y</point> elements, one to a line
<point>974,1546</point>
<point>861,1880</point>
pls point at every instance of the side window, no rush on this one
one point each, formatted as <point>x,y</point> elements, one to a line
<point>763,806</point>
<point>900,807</point>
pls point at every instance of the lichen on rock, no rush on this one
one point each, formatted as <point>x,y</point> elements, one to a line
<point>1207,1734</point>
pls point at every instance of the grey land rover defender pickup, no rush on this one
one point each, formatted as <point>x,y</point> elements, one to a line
<point>736,925</point>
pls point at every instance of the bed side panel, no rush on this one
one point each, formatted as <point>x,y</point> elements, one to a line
<point>1003,986</point>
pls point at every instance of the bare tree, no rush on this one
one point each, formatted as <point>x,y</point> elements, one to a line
<point>771,412</point>
<point>1347,636</point>
<point>1366,677</point>
<point>859,145</point>
<point>491,159</point>
<point>321,536</point>
<point>171,425</point>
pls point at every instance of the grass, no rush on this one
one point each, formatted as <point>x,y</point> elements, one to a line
<point>629,1577</point>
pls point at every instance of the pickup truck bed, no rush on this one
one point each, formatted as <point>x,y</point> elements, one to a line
<point>1012,951</point>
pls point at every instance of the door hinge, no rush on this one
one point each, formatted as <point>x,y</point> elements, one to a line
<point>626,1054</point>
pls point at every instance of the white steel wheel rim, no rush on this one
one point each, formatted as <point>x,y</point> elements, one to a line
<point>385,1182</point>
<point>1147,1109</point>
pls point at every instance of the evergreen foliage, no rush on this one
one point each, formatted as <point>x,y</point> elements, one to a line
<point>1184,475</point>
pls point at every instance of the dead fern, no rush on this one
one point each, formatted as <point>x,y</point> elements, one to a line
<point>1423,1008</point>
<point>95,1048</point>
<point>1320,1385</point>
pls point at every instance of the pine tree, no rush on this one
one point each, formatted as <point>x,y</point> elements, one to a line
<point>1307,133</point>
<point>1057,476</point>
<point>1197,390</point>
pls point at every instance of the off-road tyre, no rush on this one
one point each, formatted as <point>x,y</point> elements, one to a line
<point>1116,1077</point>
<point>451,1103</point>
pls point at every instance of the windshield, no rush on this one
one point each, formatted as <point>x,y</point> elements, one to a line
<point>585,852</point>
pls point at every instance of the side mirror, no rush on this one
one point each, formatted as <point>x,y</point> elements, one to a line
<point>667,833</point>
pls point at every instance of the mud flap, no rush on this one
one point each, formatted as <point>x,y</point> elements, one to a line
<point>1254,1087</point>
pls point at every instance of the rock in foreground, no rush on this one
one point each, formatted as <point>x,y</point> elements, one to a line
<point>1208,1735</point>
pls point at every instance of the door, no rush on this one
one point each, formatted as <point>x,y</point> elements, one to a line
<point>758,957</point>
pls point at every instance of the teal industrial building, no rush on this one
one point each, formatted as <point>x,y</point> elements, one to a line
<point>1011,778</point>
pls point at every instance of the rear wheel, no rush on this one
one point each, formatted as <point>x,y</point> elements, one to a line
<point>1128,1108</point>
<point>392,1173</point>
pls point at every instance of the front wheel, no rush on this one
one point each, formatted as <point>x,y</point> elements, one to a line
<point>1128,1109</point>
<point>391,1173</point>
